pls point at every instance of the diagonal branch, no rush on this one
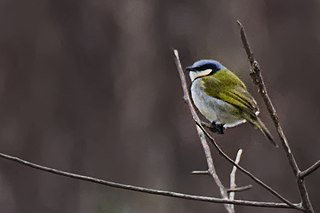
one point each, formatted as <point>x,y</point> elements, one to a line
<point>258,80</point>
<point>310,170</point>
<point>211,169</point>
<point>213,173</point>
<point>143,189</point>
<point>198,122</point>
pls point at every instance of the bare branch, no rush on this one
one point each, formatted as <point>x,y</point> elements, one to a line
<point>198,122</point>
<point>258,80</point>
<point>310,170</point>
<point>205,146</point>
<point>142,189</point>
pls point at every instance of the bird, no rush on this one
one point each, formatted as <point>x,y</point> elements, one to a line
<point>222,98</point>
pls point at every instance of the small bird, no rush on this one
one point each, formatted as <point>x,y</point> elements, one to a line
<point>222,98</point>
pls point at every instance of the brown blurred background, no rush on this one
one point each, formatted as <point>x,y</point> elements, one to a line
<point>90,86</point>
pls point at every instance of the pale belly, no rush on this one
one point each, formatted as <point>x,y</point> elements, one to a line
<point>213,109</point>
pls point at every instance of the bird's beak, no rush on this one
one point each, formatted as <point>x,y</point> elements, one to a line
<point>190,68</point>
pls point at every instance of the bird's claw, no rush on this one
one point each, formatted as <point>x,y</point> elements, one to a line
<point>216,128</point>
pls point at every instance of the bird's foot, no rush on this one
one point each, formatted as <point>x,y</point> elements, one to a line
<point>216,128</point>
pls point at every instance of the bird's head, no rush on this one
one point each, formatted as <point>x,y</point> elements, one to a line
<point>203,68</point>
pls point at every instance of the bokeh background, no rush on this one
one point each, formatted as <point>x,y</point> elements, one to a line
<point>90,86</point>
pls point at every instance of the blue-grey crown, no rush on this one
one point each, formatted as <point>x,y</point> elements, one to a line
<point>206,64</point>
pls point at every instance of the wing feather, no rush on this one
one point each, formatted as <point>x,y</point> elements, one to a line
<point>226,86</point>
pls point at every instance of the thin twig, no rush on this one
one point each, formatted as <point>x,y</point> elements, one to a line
<point>205,146</point>
<point>142,189</point>
<point>310,170</point>
<point>233,177</point>
<point>206,172</point>
<point>258,80</point>
<point>198,122</point>
<point>239,189</point>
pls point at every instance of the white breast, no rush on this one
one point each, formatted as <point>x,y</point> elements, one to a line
<point>213,109</point>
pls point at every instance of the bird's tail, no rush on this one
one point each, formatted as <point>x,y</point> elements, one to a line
<point>260,125</point>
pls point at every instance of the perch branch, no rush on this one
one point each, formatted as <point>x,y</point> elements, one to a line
<point>198,122</point>
<point>142,189</point>
<point>259,82</point>
<point>211,169</point>
<point>310,170</point>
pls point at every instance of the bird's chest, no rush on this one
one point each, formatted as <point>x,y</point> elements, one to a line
<point>212,108</point>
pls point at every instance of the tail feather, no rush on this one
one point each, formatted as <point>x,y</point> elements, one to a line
<point>260,125</point>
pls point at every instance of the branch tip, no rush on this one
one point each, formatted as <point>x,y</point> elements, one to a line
<point>309,170</point>
<point>206,172</point>
<point>239,189</point>
<point>240,24</point>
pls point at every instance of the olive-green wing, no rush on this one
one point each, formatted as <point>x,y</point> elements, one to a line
<point>228,87</point>
<point>240,98</point>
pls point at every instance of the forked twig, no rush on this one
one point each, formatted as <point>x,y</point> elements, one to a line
<point>249,174</point>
